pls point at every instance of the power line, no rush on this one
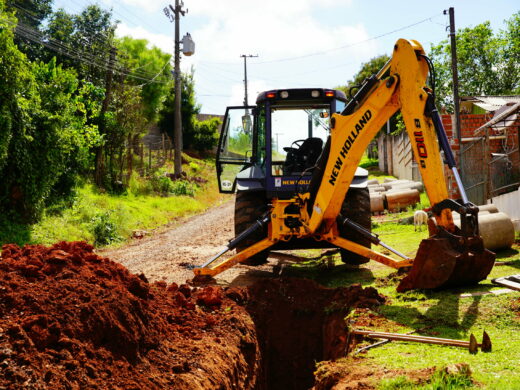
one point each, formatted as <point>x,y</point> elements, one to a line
<point>57,46</point>
<point>351,44</point>
<point>96,36</point>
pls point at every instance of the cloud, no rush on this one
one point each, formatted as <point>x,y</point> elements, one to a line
<point>146,5</point>
<point>163,42</point>
<point>271,28</point>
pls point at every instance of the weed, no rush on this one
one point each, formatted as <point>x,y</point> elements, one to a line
<point>195,168</point>
<point>161,184</point>
<point>104,229</point>
<point>440,380</point>
<point>182,187</point>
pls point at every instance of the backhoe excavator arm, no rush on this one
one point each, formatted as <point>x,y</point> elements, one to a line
<point>400,85</point>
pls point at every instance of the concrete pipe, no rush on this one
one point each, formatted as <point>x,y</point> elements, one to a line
<point>400,200</point>
<point>496,229</point>
<point>376,189</point>
<point>373,182</point>
<point>414,185</point>
<point>377,202</point>
<point>488,207</point>
<point>394,183</point>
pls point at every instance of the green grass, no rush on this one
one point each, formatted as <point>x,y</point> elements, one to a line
<point>103,218</point>
<point>443,313</point>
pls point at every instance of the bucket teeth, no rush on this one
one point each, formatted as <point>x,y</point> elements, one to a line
<point>442,263</point>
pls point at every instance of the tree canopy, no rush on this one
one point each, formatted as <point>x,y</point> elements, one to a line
<point>487,62</point>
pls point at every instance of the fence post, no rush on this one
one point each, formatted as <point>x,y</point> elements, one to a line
<point>149,158</point>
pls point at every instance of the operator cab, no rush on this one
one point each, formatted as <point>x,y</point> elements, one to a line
<point>275,145</point>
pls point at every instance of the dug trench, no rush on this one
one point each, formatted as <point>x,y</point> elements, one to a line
<point>72,319</point>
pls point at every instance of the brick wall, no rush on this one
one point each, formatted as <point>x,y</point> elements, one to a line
<point>469,123</point>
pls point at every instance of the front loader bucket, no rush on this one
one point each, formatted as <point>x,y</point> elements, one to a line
<point>442,263</point>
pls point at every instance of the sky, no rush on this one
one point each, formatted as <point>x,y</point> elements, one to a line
<point>299,43</point>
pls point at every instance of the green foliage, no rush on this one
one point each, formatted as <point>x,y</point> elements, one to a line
<point>90,33</point>
<point>189,111</point>
<point>104,229</point>
<point>367,162</point>
<point>194,167</point>
<point>241,143</point>
<point>487,62</point>
<point>367,69</point>
<point>440,380</point>
<point>150,61</point>
<point>182,187</point>
<point>206,134</point>
<point>161,184</point>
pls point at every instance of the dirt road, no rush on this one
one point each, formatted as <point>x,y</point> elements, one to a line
<point>169,255</point>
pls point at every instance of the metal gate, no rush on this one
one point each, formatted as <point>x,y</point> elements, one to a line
<point>490,160</point>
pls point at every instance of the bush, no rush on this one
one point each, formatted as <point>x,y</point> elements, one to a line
<point>182,187</point>
<point>104,230</point>
<point>139,186</point>
<point>194,167</point>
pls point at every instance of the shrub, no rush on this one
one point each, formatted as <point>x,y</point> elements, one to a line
<point>183,187</point>
<point>104,229</point>
<point>194,167</point>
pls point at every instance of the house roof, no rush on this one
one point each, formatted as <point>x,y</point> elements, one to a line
<point>491,103</point>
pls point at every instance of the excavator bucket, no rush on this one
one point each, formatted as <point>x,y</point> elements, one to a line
<point>446,262</point>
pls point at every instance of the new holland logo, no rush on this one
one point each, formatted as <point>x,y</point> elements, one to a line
<point>347,145</point>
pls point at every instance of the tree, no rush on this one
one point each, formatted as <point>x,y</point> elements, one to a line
<point>42,129</point>
<point>367,69</point>
<point>30,14</point>
<point>148,63</point>
<point>189,111</point>
<point>206,135</point>
<point>487,62</point>
<point>85,39</point>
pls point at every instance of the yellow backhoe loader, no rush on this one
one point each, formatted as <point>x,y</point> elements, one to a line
<point>311,193</point>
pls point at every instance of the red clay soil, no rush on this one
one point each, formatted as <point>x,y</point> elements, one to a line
<point>71,319</point>
<point>300,323</point>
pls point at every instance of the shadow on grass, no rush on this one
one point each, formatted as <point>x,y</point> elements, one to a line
<point>505,254</point>
<point>444,315</point>
<point>336,276</point>
<point>14,233</point>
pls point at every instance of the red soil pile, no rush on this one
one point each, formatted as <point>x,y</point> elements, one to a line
<point>72,319</point>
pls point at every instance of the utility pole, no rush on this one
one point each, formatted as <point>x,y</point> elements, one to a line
<point>455,76</point>
<point>100,166</point>
<point>245,57</point>
<point>177,130</point>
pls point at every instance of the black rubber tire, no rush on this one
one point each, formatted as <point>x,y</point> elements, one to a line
<point>356,207</point>
<point>249,206</point>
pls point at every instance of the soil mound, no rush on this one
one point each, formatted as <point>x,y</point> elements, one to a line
<point>72,319</point>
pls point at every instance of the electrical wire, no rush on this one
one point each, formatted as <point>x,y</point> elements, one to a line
<point>55,45</point>
<point>349,45</point>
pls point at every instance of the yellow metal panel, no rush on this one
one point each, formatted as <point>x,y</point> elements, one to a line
<point>349,139</point>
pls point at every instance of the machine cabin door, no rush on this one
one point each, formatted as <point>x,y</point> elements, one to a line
<point>235,147</point>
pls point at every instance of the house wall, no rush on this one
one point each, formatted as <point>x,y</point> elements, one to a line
<point>510,204</point>
<point>397,157</point>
